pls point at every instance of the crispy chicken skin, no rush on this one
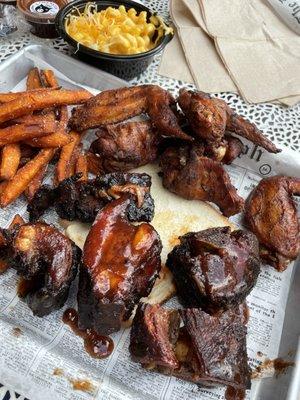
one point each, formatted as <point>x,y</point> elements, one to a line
<point>163,117</point>
<point>209,118</point>
<point>215,269</point>
<point>121,262</point>
<point>271,214</point>
<point>126,146</point>
<point>195,177</point>
<point>110,107</point>
<point>81,200</point>
<point>207,350</point>
<point>234,148</point>
<point>48,261</point>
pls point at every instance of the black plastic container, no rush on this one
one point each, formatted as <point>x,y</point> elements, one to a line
<point>124,66</point>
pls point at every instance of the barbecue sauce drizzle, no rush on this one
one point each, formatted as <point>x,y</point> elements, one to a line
<point>96,345</point>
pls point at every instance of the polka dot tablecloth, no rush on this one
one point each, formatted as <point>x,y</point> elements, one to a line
<point>279,123</point>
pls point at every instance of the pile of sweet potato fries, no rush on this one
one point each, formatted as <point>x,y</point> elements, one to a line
<point>34,132</point>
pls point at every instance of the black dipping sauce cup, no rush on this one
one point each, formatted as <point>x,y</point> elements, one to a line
<point>124,66</point>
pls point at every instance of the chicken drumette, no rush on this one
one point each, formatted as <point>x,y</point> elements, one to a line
<point>186,172</point>
<point>271,214</point>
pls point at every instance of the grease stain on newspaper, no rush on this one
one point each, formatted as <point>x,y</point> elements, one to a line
<point>83,385</point>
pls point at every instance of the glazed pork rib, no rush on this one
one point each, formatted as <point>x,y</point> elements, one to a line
<point>81,200</point>
<point>48,262</point>
<point>207,350</point>
<point>154,333</point>
<point>215,269</point>
<point>121,262</point>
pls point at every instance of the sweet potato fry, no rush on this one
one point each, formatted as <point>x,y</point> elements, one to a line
<point>37,100</point>
<point>33,79</point>
<point>48,78</point>
<point>56,139</point>
<point>12,96</point>
<point>11,155</point>
<point>51,81</point>
<point>82,167</point>
<point>17,220</point>
<point>36,182</point>
<point>63,119</point>
<point>35,119</point>
<point>94,163</point>
<point>17,133</point>
<point>65,166</point>
<point>24,176</point>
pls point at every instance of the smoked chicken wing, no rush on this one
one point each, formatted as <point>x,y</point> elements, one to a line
<point>161,109</point>
<point>110,107</point>
<point>186,172</point>
<point>207,116</point>
<point>210,117</point>
<point>271,214</point>
<point>118,105</point>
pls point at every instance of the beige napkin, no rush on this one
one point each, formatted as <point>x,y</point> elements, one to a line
<point>203,64</point>
<point>186,60</point>
<point>173,63</point>
<point>261,54</point>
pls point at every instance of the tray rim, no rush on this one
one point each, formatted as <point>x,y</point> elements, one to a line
<point>68,58</point>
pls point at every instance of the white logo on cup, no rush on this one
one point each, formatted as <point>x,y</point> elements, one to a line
<point>44,7</point>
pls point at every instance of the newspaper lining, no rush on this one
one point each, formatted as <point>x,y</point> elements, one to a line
<point>42,359</point>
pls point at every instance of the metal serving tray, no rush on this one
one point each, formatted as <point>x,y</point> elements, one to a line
<point>13,70</point>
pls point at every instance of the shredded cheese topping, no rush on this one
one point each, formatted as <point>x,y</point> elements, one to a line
<point>116,30</point>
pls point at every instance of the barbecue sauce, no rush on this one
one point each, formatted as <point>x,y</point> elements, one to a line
<point>97,346</point>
